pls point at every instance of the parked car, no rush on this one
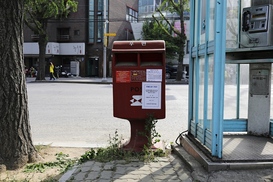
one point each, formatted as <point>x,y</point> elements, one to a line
<point>171,71</point>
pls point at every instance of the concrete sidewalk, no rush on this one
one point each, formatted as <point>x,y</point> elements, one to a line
<point>73,79</point>
<point>179,166</point>
<point>169,168</point>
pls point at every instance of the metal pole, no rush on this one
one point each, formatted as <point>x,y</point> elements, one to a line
<point>104,79</point>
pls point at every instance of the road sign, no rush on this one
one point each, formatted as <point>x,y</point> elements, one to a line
<point>110,34</point>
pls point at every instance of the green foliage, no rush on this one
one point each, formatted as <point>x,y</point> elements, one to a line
<point>63,162</point>
<point>150,131</point>
<point>177,8</point>
<point>44,9</point>
<point>88,155</point>
<point>149,152</point>
<point>151,30</point>
<point>38,12</point>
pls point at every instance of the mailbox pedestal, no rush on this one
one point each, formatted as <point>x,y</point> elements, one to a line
<point>138,69</point>
<point>137,140</point>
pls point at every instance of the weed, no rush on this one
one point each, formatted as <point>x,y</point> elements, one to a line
<point>88,155</point>
<point>149,152</point>
<point>63,162</point>
<point>110,153</point>
<point>115,152</point>
<point>39,148</point>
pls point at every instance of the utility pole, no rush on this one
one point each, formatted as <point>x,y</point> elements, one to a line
<point>104,79</point>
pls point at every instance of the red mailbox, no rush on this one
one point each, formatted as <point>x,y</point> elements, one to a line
<point>138,69</point>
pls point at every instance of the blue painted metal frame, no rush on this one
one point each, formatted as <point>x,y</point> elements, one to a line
<point>194,75</point>
<point>206,73</point>
<point>235,125</point>
<point>238,91</point>
<point>219,81</point>
<point>210,137</point>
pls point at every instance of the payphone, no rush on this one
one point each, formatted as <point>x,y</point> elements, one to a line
<point>257,26</point>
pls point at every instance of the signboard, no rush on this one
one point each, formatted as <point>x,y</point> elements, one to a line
<point>151,95</point>
<point>154,75</point>
<point>138,76</point>
<point>110,34</point>
<point>123,76</point>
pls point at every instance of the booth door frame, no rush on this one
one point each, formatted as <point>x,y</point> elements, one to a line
<point>208,131</point>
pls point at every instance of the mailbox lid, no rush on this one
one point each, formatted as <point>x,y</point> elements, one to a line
<point>139,46</point>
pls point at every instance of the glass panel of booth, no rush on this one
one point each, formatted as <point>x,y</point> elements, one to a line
<point>201,90</point>
<point>196,29</point>
<point>232,24</point>
<point>244,79</point>
<point>200,23</point>
<point>211,19</point>
<point>210,90</point>
<point>203,21</point>
<point>236,91</point>
<point>195,91</point>
<point>230,97</point>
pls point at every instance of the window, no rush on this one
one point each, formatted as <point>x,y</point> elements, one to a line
<point>91,26</point>
<point>76,32</point>
<point>96,20</point>
<point>100,26</point>
<point>63,34</point>
<point>131,15</point>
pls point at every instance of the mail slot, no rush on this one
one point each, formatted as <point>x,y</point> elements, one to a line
<point>138,69</point>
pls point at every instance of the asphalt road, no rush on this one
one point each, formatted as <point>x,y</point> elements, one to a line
<point>81,115</point>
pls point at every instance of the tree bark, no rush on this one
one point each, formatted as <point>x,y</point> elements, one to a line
<point>16,146</point>
<point>42,49</point>
<point>182,38</point>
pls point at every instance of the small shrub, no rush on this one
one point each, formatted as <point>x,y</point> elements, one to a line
<point>115,152</point>
<point>63,162</point>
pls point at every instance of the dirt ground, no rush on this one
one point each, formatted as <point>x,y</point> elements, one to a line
<point>48,154</point>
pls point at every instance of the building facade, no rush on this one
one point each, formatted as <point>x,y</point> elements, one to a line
<point>77,42</point>
<point>147,8</point>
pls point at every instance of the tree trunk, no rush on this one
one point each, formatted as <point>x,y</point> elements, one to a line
<point>42,49</point>
<point>182,38</point>
<point>179,71</point>
<point>16,147</point>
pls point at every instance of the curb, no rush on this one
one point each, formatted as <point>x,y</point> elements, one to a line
<point>95,82</point>
<point>198,172</point>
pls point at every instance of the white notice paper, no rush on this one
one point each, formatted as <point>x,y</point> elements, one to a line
<point>154,75</point>
<point>151,95</point>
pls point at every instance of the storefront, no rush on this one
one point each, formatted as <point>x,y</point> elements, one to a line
<point>67,55</point>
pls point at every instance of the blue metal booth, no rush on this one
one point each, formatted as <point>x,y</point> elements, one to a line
<point>231,55</point>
